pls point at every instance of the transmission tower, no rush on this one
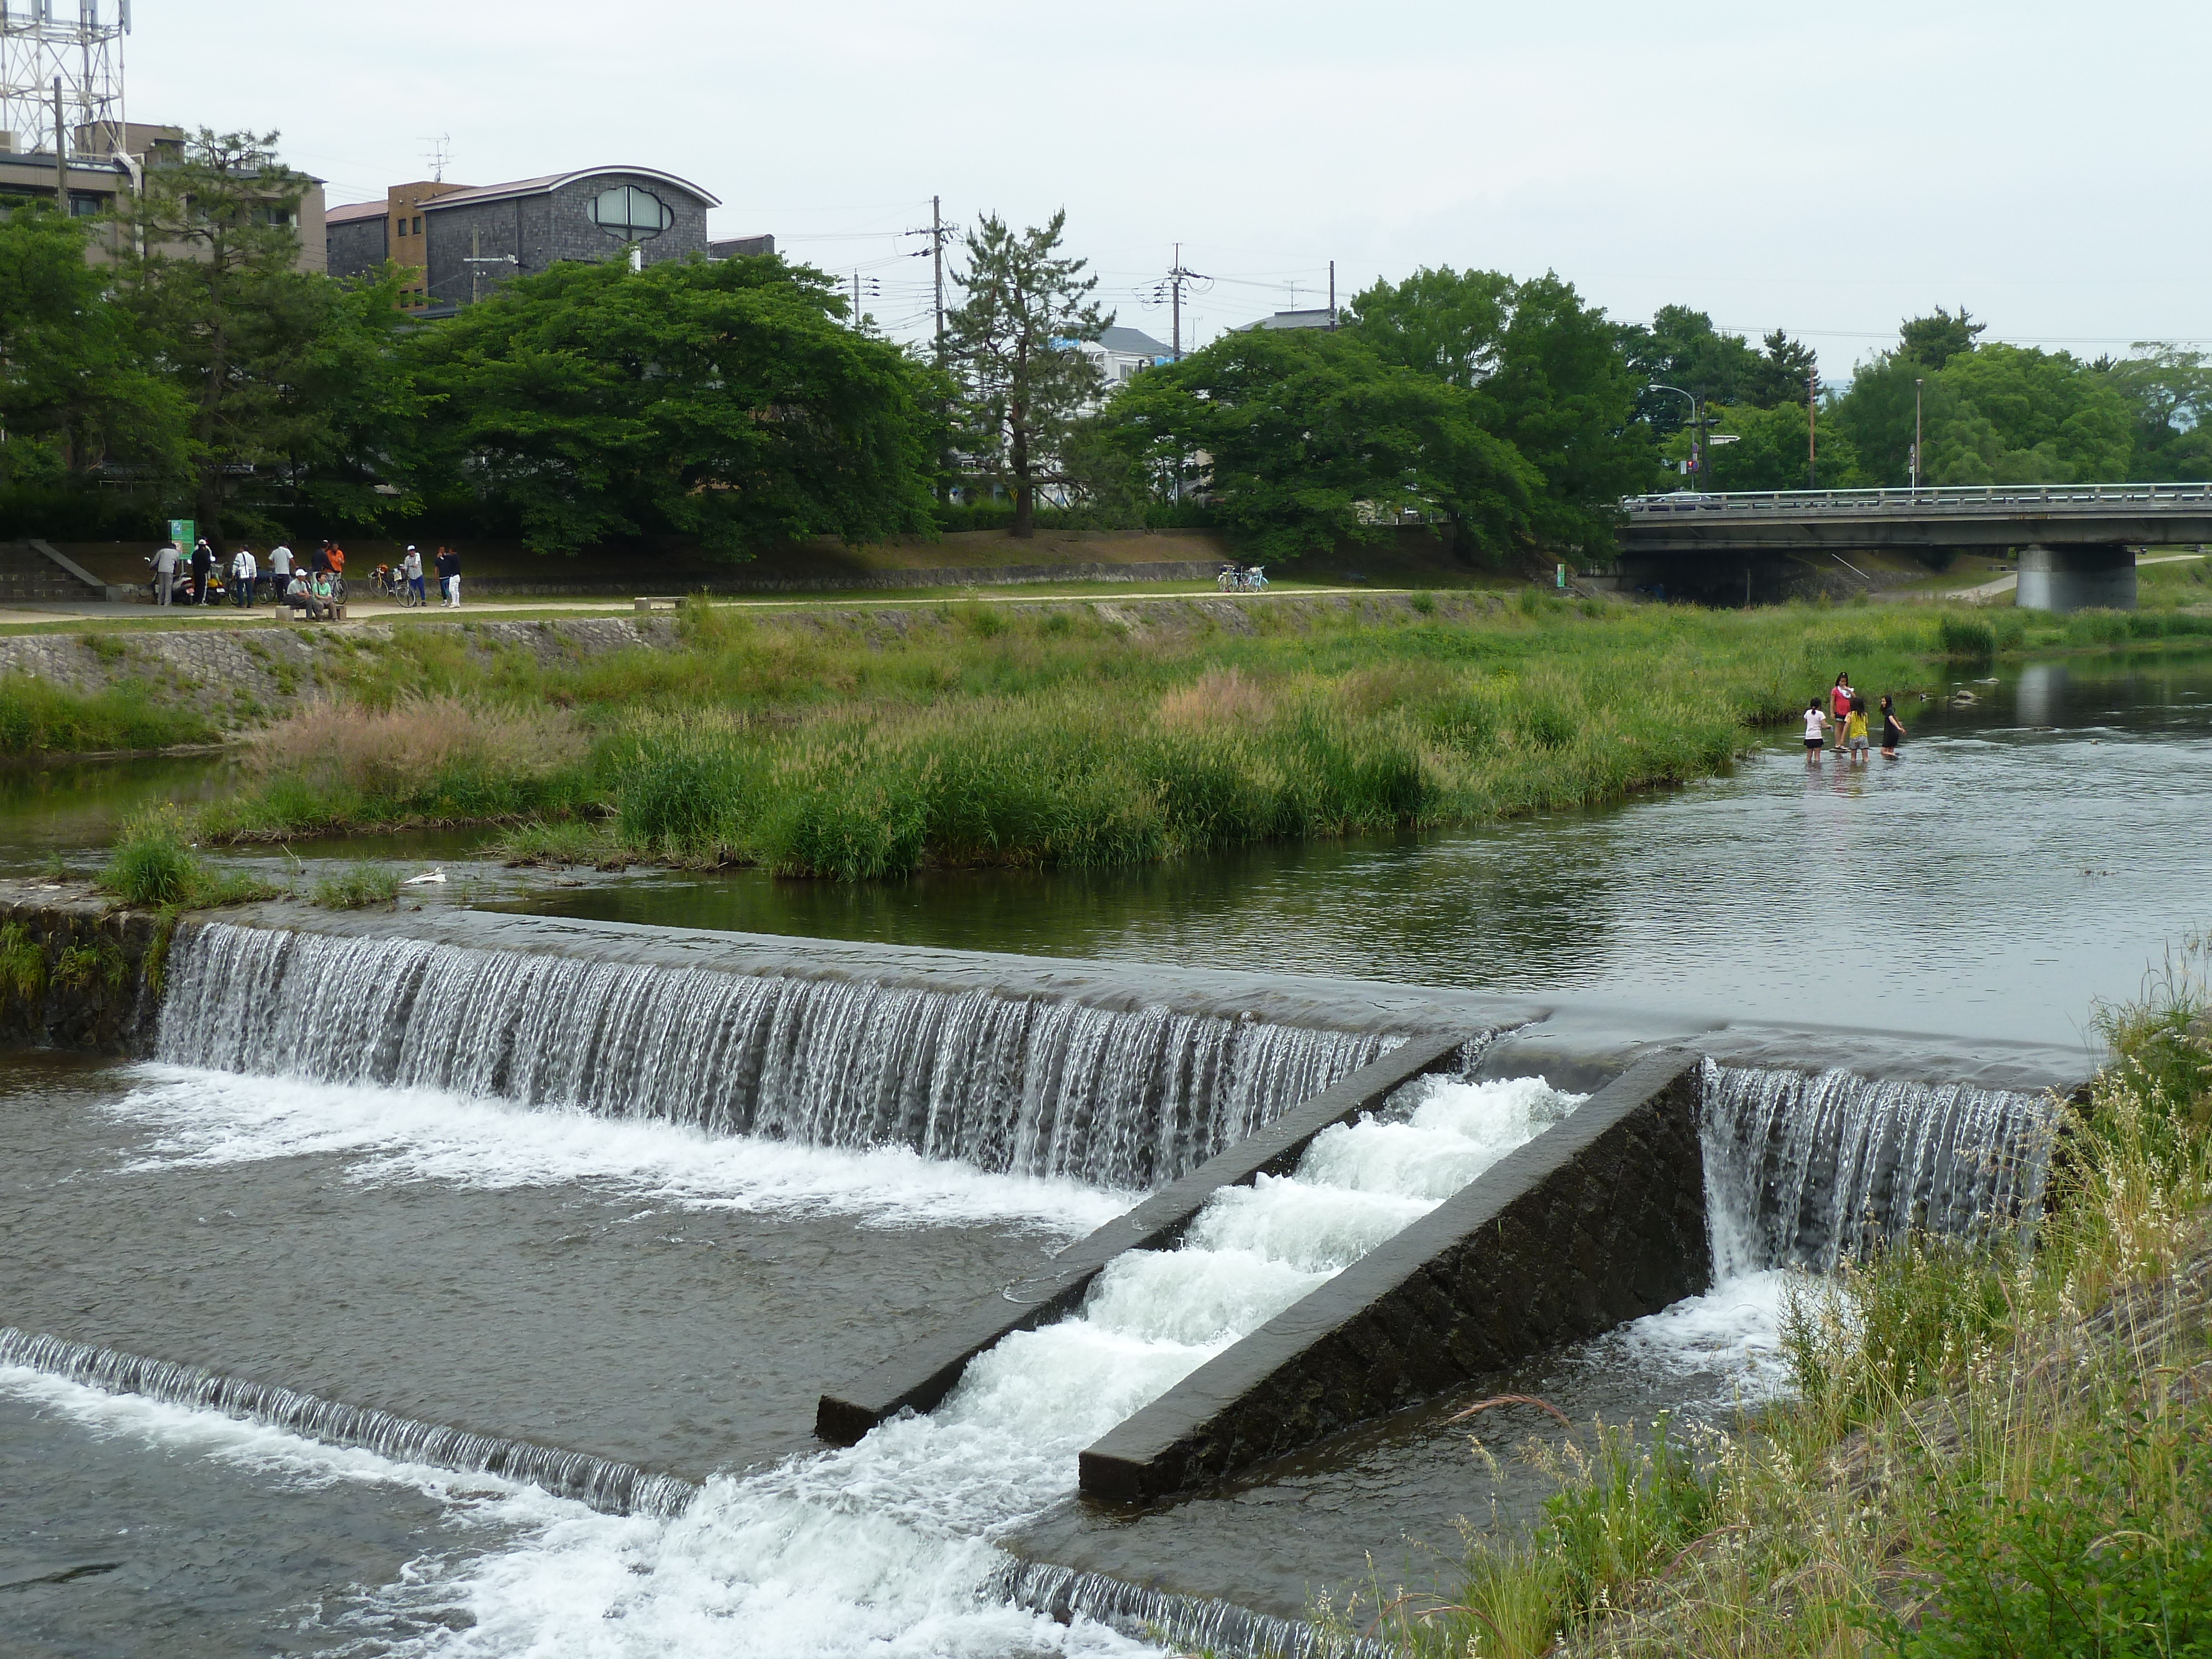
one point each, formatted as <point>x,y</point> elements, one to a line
<point>60,76</point>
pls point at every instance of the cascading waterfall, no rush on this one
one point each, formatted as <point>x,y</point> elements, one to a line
<point>1007,1083</point>
<point>1801,1170</point>
<point>1189,1622</point>
<point>618,1488</point>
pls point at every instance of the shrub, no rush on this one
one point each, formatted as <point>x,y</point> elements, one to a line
<point>357,888</point>
<point>153,865</point>
<point>1967,639</point>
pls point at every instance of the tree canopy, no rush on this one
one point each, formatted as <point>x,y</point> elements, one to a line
<point>725,401</point>
<point>1310,438</point>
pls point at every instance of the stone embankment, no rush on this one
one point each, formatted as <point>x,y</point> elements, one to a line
<point>77,973</point>
<point>240,677</point>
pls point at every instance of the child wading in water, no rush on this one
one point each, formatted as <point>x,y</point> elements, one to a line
<point>1854,731</point>
<point>1816,725</point>
<point>1892,732</point>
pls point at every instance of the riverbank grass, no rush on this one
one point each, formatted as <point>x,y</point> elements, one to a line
<point>156,865</point>
<point>1987,1448</point>
<point>861,746</point>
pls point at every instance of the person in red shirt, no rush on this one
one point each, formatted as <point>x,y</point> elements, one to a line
<point>1839,707</point>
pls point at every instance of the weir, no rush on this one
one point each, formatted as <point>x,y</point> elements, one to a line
<point>1021,1084</point>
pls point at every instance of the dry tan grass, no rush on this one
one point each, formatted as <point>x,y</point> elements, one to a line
<point>378,752</point>
<point>1220,697</point>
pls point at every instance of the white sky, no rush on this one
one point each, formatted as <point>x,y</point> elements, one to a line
<point>1828,170</point>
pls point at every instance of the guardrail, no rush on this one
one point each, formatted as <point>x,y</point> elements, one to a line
<point>1948,498</point>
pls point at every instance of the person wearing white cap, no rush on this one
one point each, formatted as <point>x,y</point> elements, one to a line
<point>412,567</point>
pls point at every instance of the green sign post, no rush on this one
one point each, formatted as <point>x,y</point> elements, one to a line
<point>181,533</point>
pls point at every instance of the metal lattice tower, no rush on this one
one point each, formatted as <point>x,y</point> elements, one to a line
<point>77,44</point>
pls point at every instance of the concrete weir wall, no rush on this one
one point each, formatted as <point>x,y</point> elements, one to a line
<point>921,1377</point>
<point>1600,1219</point>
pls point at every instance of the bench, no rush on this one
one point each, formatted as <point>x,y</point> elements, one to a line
<point>659,602</point>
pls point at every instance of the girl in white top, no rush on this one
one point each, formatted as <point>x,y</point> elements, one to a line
<point>1816,725</point>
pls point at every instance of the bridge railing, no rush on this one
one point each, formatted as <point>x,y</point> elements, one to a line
<point>1947,498</point>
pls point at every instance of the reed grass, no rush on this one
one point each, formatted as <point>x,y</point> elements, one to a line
<point>863,744</point>
<point>154,865</point>
<point>1987,1450</point>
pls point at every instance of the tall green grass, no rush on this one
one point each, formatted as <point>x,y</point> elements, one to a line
<point>40,717</point>
<point>864,745</point>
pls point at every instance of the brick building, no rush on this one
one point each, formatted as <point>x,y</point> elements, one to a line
<point>467,240</point>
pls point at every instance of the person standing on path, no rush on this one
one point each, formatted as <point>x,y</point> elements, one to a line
<point>244,572</point>
<point>1892,732</point>
<point>165,572</point>
<point>202,567</point>
<point>280,570</point>
<point>411,569</point>
<point>1816,728</point>
<point>449,577</point>
<point>337,570</point>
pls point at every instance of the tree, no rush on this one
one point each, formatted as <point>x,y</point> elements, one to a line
<point>75,390</point>
<point>1770,449</point>
<point>2169,392</point>
<point>1311,439</point>
<point>1681,348</point>
<point>1546,375</point>
<point>1935,341</point>
<point>249,340</point>
<point>725,401</point>
<point>1012,344</point>
<point>1782,374</point>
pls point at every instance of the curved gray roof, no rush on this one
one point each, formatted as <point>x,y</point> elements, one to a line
<point>553,181</point>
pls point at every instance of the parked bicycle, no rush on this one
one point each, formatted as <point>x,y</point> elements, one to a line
<point>1241,577</point>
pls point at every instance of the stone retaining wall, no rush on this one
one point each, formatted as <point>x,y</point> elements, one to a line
<point>1600,1219</point>
<point>75,973</point>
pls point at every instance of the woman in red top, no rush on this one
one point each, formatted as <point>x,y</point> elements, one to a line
<point>1839,706</point>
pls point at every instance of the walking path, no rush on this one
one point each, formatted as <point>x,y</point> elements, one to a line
<point>2006,584</point>
<point>188,616</point>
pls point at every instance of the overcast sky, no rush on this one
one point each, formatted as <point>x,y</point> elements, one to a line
<point>1827,170</point>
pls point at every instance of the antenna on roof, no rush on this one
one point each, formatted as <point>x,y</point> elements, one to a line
<point>441,153</point>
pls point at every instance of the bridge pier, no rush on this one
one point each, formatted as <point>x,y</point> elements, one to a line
<point>2077,578</point>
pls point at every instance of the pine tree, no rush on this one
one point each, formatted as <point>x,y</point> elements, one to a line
<point>1014,344</point>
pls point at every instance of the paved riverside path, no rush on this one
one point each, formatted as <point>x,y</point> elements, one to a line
<point>2006,584</point>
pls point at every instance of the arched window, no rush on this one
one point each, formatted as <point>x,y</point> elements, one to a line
<point>630,212</point>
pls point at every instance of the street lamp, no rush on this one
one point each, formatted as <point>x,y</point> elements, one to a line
<point>1916,383</point>
<point>1696,425</point>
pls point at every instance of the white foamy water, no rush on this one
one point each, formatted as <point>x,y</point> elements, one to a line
<point>421,1134</point>
<point>1730,1336</point>
<point>885,1548</point>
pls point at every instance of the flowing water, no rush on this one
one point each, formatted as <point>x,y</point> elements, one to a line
<point>1001,1082</point>
<point>338,1241</point>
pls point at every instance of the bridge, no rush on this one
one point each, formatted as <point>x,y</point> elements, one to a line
<point>2076,542</point>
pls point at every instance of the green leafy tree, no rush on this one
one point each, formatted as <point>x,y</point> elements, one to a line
<point>1309,438</point>
<point>1013,343</point>
<point>1546,373</point>
<point>76,385</point>
<point>1935,341</point>
<point>2026,416</point>
<point>1770,449</point>
<point>1681,348</point>
<point>1782,374</point>
<point>723,401</point>
<point>214,281</point>
<point>2169,393</point>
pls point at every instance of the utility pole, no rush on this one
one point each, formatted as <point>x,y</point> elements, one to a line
<point>1174,284</point>
<point>937,271</point>
<point>61,154</point>
<point>1916,383</point>
<point>1332,296</point>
